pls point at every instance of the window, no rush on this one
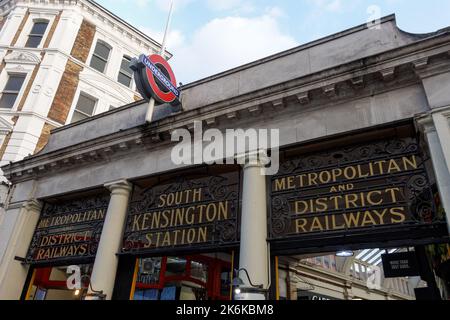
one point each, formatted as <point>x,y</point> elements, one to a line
<point>84,109</point>
<point>11,91</point>
<point>100,56</point>
<point>36,34</point>
<point>125,73</point>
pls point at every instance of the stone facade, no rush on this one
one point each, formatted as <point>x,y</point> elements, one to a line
<point>359,80</point>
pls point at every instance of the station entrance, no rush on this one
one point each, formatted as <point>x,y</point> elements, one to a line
<point>359,217</point>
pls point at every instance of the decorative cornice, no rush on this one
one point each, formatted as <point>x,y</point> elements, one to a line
<point>95,11</point>
<point>5,125</point>
<point>12,113</point>
<point>22,57</point>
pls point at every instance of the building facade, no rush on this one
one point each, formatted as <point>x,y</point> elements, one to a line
<point>61,61</point>
<point>363,124</point>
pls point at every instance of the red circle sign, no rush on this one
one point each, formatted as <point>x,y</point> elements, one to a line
<point>162,65</point>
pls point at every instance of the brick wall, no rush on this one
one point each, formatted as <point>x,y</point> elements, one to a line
<point>43,139</point>
<point>67,88</point>
<point>2,22</point>
<point>65,94</point>
<point>4,145</point>
<point>22,25</point>
<point>52,30</point>
<point>83,42</point>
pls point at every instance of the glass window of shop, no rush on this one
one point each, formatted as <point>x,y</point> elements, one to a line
<point>198,277</point>
<point>51,283</point>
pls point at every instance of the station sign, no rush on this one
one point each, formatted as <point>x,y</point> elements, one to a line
<point>155,79</point>
<point>194,214</point>
<point>357,189</point>
<point>68,231</point>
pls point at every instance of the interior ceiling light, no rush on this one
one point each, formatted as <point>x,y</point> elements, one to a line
<point>345,253</point>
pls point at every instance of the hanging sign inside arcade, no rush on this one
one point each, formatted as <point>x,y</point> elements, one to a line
<point>199,212</point>
<point>69,231</point>
<point>354,188</point>
<point>155,79</point>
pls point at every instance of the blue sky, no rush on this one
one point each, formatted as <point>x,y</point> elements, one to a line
<point>210,36</point>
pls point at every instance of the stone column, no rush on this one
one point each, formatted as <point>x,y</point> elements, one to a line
<point>106,260</point>
<point>441,171</point>
<point>253,248</point>
<point>441,121</point>
<point>17,230</point>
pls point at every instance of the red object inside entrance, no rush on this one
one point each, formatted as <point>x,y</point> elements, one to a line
<point>215,287</point>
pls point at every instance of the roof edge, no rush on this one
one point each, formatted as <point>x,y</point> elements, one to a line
<point>388,18</point>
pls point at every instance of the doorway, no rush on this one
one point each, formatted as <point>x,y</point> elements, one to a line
<point>364,274</point>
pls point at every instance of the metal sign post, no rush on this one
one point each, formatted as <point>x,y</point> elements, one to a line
<point>151,103</point>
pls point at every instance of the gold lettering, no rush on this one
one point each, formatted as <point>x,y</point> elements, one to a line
<point>410,164</point>
<point>393,194</point>
<point>280,184</point>
<point>398,214</point>
<point>300,225</point>
<point>393,167</point>
<point>370,198</point>
<point>351,199</point>
<point>316,225</point>
<point>291,183</point>
<point>297,207</point>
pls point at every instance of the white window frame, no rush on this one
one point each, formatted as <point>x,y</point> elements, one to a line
<point>4,79</point>
<point>75,102</point>
<point>43,39</point>
<point>36,17</point>
<point>91,54</point>
<point>130,86</point>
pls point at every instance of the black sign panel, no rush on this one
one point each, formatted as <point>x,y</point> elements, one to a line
<point>197,213</point>
<point>399,265</point>
<point>69,231</point>
<point>359,189</point>
<point>312,296</point>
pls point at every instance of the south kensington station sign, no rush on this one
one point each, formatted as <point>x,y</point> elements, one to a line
<point>201,212</point>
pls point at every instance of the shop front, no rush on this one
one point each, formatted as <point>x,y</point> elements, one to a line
<point>357,209</point>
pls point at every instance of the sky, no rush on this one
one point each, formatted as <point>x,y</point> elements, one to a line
<point>211,36</point>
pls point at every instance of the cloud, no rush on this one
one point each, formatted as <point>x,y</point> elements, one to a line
<point>164,5</point>
<point>237,6</point>
<point>220,5</point>
<point>328,5</point>
<point>224,43</point>
<point>175,38</point>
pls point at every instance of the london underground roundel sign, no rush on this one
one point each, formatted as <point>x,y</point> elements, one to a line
<point>155,79</point>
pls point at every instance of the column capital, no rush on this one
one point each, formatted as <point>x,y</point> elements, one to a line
<point>252,159</point>
<point>425,123</point>
<point>118,185</point>
<point>33,205</point>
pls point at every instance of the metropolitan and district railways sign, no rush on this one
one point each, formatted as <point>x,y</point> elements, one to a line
<point>68,231</point>
<point>200,212</point>
<point>365,186</point>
